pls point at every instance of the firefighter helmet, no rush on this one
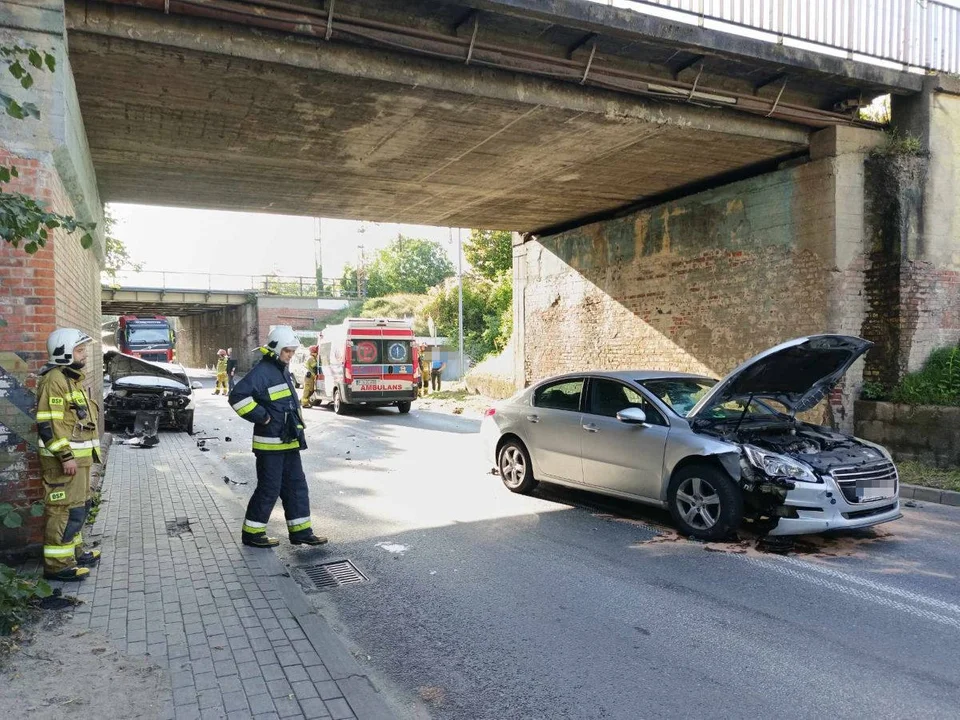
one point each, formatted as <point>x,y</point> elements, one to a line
<point>314,349</point>
<point>62,342</point>
<point>221,352</point>
<point>282,336</point>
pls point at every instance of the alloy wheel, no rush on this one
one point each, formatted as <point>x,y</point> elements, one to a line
<point>513,466</point>
<point>698,503</point>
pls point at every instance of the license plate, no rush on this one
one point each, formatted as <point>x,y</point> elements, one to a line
<point>875,490</point>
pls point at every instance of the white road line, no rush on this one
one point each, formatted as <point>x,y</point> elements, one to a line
<point>817,579</point>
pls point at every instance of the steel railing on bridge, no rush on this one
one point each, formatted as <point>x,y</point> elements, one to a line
<point>290,286</point>
<point>913,34</point>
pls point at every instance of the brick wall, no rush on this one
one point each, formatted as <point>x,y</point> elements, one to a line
<point>57,286</point>
<point>297,318</point>
<point>696,285</point>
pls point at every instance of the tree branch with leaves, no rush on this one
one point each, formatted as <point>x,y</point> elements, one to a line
<point>24,220</point>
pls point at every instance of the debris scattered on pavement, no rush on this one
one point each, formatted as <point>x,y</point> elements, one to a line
<point>911,504</point>
<point>228,481</point>
<point>458,410</point>
<point>392,547</point>
<point>204,449</point>
<point>228,439</point>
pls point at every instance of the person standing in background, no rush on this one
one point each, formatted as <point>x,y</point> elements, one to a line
<point>231,368</point>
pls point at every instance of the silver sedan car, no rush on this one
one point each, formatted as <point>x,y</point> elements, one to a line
<point>713,453</point>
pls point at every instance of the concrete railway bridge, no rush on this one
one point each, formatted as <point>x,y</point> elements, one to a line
<point>689,180</point>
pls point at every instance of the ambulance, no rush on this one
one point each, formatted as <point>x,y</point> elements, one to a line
<point>368,361</point>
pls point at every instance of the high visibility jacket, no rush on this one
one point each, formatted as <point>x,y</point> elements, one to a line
<point>67,421</point>
<point>267,393</point>
<point>221,365</point>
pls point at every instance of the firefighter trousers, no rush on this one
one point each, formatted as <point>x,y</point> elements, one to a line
<point>66,506</point>
<point>309,385</point>
<point>279,475</point>
<point>221,384</point>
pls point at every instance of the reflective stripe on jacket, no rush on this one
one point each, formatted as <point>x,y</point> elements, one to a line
<point>268,392</point>
<point>67,421</point>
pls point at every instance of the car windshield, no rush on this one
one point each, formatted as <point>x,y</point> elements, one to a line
<point>682,394</point>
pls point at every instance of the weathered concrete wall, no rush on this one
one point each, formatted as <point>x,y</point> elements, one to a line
<point>59,285</point>
<point>912,432</point>
<point>705,282</point>
<point>200,336</point>
<point>930,268</point>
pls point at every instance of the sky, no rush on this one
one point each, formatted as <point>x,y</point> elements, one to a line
<point>235,243</point>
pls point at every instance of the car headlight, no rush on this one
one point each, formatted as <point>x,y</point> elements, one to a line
<point>776,465</point>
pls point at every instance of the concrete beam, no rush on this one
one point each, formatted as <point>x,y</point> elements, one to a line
<point>178,303</point>
<point>594,17</point>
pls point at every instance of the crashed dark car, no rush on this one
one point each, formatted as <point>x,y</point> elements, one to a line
<point>156,393</point>
<point>715,454</point>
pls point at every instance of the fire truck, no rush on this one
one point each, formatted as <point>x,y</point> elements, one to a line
<point>148,338</point>
<point>368,361</point>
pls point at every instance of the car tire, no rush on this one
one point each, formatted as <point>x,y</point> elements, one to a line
<point>339,407</point>
<point>404,406</point>
<point>704,502</point>
<point>187,425</point>
<point>515,468</point>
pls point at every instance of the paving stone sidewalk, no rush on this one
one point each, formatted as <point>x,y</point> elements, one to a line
<point>235,631</point>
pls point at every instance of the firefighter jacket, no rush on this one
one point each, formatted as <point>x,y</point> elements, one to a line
<point>266,397</point>
<point>67,422</point>
<point>311,366</point>
<point>221,365</point>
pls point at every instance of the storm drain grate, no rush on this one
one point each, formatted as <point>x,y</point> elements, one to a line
<point>333,574</point>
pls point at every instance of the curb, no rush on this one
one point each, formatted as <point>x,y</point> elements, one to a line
<point>359,692</point>
<point>932,495</point>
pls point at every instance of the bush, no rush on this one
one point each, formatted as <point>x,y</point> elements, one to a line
<point>938,383</point>
<point>18,596</point>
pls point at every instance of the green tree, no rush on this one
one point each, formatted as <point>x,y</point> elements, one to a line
<point>349,282</point>
<point>116,256</point>
<point>403,305</point>
<point>22,218</point>
<point>487,313</point>
<point>489,252</point>
<point>408,265</point>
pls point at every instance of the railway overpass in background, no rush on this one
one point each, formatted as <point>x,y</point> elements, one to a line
<point>220,310</point>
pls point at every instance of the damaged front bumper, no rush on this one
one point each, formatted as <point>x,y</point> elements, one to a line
<point>818,507</point>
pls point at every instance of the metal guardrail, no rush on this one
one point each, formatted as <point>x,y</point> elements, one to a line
<point>914,34</point>
<point>293,286</point>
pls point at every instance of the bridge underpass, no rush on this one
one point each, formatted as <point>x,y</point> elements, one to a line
<point>634,152</point>
<point>208,318</point>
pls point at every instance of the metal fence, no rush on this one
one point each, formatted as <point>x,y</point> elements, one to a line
<point>289,286</point>
<point>914,34</point>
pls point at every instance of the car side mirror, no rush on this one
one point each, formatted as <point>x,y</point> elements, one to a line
<point>107,379</point>
<point>632,416</point>
<point>196,385</point>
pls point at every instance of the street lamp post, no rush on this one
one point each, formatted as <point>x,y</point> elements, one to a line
<point>460,299</point>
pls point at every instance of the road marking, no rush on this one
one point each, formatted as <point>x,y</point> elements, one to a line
<point>781,566</point>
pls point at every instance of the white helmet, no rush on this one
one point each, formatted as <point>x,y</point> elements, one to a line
<point>62,342</point>
<point>282,336</point>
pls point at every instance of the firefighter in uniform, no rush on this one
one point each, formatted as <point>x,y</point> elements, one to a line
<point>310,379</point>
<point>69,440</point>
<point>267,397</point>
<point>221,372</point>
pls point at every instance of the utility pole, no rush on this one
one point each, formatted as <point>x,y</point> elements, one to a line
<point>460,298</point>
<point>318,256</point>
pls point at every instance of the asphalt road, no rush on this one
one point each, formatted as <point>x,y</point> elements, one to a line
<point>483,604</point>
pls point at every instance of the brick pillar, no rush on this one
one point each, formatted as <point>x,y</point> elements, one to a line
<point>60,284</point>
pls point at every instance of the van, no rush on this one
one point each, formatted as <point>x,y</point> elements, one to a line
<point>368,361</point>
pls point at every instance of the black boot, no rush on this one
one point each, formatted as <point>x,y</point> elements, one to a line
<point>89,558</point>
<point>259,541</point>
<point>74,573</point>
<point>307,538</point>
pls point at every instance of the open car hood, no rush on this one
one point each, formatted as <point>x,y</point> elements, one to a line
<point>119,366</point>
<point>797,374</point>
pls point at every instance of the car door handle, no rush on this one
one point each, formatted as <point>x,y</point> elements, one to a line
<point>533,418</point>
<point>590,427</point>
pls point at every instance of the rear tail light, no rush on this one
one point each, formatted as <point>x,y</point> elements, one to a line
<point>490,412</point>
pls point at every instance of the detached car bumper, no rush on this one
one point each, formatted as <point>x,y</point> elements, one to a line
<point>821,507</point>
